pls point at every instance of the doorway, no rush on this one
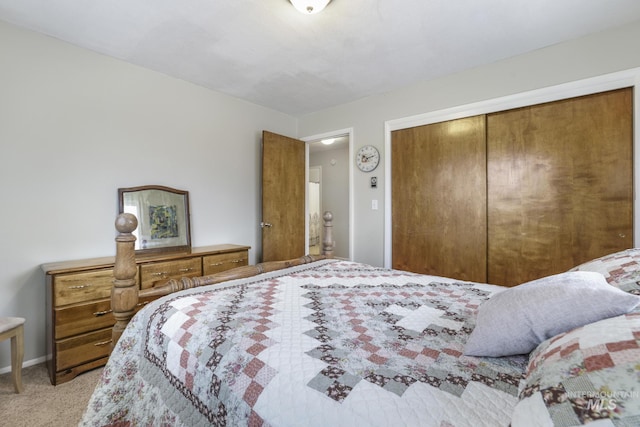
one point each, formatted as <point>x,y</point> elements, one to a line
<point>328,189</point>
<point>314,201</point>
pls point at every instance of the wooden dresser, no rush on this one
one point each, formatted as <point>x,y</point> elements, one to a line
<point>78,293</point>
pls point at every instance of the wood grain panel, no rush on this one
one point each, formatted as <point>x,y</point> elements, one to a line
<point>283,197</point>
<point>83,348</point>
<point>216,263</point>
<point>158,273</point>
<point>84,286</point>
<point>86,317</point>
<point>81,318</point>
<point>439,199</point>
<point>559,185</point>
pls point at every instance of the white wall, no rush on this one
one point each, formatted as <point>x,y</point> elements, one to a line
<point>590,56</point>
<point>75,126</point>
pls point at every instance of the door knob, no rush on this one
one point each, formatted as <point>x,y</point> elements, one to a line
<point>265,224</point>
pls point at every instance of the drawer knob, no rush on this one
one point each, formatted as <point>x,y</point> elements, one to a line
<point>103,343</point>
<point>215,264</point>
<point>162,274</point>
<point>184,270</point>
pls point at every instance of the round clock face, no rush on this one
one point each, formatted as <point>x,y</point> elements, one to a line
<point>367,158</point>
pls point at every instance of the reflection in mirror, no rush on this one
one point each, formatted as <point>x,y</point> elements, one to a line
<point>163,217</point>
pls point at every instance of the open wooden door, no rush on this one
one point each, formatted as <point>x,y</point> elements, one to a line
<point>283,197</point>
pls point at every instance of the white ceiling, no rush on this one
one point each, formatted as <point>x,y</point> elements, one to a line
<point>266,52</point>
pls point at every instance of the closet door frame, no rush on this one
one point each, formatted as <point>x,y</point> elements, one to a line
<point>619,80</point>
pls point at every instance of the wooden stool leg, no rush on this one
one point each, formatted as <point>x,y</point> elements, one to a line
<point>17,354</point>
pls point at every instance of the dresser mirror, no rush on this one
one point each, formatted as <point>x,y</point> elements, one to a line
<point>163,217</point>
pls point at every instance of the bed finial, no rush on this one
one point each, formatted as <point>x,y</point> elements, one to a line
<point>124,294</point>
<point>126,223</point>
<point>327,242</point>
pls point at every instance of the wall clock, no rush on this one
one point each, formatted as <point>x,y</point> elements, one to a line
<point>367,158</point>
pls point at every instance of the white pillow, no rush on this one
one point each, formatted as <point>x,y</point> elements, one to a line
<point>516,320</point>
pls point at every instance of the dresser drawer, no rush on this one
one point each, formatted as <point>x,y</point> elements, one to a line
<point>81,287</point>
<point>158,273</point>
<point>83,348</point>
<point>83,318</point>
<point>220,262</point>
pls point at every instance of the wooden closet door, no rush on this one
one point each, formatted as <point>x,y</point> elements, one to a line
<point>559,185</point>
<point>438,201</point>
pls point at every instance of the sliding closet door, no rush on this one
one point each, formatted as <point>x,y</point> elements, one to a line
<point>438,202</point>
<point>559,185</point>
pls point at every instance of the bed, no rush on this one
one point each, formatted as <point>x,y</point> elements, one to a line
<point>329,342</point>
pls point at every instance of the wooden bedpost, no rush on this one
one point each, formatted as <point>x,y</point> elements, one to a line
<point>327,242</point>
<point>124,293</point>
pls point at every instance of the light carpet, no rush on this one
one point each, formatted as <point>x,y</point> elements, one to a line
<point>42,404</point>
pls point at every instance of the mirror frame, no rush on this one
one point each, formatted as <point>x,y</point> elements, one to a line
<point>149,204</point>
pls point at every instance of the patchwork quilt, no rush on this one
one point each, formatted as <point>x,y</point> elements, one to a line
<point>588,375</point>
<point>332,343</point>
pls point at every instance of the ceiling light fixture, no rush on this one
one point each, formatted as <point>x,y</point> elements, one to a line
<point>309,7</point>
<point>328,141</point>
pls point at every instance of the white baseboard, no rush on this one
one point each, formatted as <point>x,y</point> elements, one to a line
<point>25,364</point>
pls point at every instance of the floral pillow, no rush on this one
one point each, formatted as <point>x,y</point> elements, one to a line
<point>621,269</point>
<point>587,374</point>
